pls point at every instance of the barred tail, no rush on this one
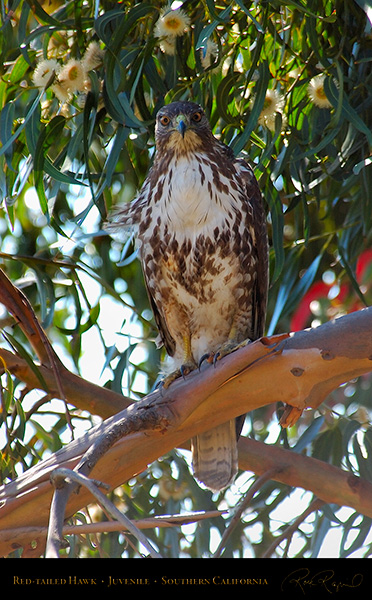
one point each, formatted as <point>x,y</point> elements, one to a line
<point>215,456</point>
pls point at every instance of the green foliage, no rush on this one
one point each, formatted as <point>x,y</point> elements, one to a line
<point>68,156</point>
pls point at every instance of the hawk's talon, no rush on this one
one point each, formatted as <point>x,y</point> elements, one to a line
<point>206,357</point>
<point>228,348</point>
<point>185,370</point>
<point>158,384</point>
<point>182,371</point>
<point>159,387</point>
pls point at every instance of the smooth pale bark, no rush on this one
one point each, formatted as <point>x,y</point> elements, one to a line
<point>299,370</point>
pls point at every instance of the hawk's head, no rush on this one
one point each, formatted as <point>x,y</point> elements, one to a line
<point>183,127</point>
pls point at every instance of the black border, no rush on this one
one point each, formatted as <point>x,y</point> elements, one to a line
<point>304,577</point>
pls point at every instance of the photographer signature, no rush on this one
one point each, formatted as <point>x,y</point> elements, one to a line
<point>304,581</point>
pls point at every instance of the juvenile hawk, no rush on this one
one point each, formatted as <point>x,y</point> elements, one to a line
<point>203,246</point>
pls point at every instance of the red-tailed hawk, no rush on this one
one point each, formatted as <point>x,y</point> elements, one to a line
<point>203,246</point>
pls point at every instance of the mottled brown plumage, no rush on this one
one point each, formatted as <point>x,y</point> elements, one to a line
<point>203,246</point>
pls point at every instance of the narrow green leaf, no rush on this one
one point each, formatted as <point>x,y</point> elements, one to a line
<point>41,14</point>
<point>215,16</point>
<point>39,160</point>
<point>58,175</point>
<point>322,526</point>
<point>54,129</point>
<point>124,22</point>
<point>309,435</point>
<point>89,115</point>
<point>30,112</point>
<point>92,320</point>
<point>19,69</point>
<point>155,81</point>
<point>208,30</point>
<point>121,367</point>
<point>223,96</point>
<point>19,348</point>
<point>329,511</point>
<point>326,140</point>
<point>277,224</point>
<point>6,127</point>
<point>303,9</point>
<point>109,92</point>
<point>249,14</point>
<point>7,391</point>
<point>352,525</point>
<point>259,94</point>
<point>130,118</point>
<point>348,112</point>
<point>46,295</point>
<point>362,164</point>
<point>350,272</point>
<point>121,136</point>
<point>104,20</point>
<point>20,431</point>
<point>366,6</point>
<point>289,276</point>
<point>135,83</point>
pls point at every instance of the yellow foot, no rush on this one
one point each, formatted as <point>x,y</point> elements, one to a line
<point>184,370</point>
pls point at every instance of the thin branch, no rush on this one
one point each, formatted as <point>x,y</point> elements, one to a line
<point>62,478</point>
<point>150,416</point>
<point>160,521</point>
<point>59,380</point>
<point>18,305</point>
<point>83,394</point>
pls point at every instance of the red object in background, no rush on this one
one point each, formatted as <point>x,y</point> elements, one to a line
<point>364,260</point>
<point>319,289</point>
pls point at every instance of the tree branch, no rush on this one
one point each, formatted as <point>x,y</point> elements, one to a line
<point>62,478</point>
<point>79,392</point>
<point>303,368</point>
<point>20,534</point>
<point>51,375</point>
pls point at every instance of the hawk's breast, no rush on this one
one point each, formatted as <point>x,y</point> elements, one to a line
<point>197,252</point>
<point>195,195</point>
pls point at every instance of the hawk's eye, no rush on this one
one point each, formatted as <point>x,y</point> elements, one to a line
<point>164,120</point>
<point>196,117</point>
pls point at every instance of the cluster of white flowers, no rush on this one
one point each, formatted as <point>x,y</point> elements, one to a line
<point>66,80</point>
<point>273,105</point>
<point>316,92</point>
<point>274,102</point>
<point>70,78</point>
<point>171,23</point>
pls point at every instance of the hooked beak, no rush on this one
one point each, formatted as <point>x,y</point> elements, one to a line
<point>181,127</point>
